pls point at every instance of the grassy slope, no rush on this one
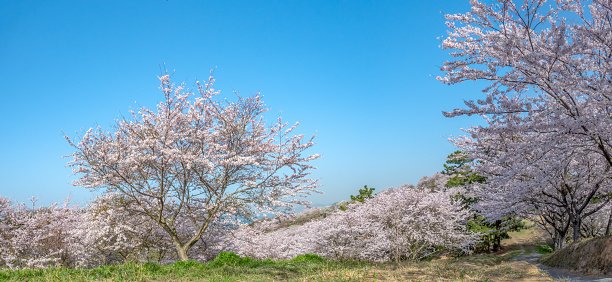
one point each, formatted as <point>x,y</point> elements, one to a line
<point>480,267</point>
<point>591,256</point>
<point>474,269</point>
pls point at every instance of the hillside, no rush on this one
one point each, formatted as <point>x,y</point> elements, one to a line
<point>593,257</point>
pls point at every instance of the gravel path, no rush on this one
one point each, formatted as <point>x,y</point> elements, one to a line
<point>557,273</point>
<point>563,275</point>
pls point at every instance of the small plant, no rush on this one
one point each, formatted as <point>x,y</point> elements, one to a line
<point>308,258</point>
<point>544,249</point>
<point>151,266</point>
<point>184,264</point>
<point>229,258</point>
<point>365,193</point>
<point>306,267</point>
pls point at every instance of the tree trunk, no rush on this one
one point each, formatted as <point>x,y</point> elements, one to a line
<point>497,236</point>
<point>562,234</point>
<point>181,251</point>
<point>560,241</point>
<point>556,240</point>
<point>608,231</point>
<point>576,225</point>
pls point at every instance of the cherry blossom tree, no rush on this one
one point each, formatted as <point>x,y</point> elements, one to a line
<point>559,184</point>
<point>547,106</point>
<point>597,224</point>
<point>459,167</point>
<point>548,64</point>
<point>108,233</point>
<point>436,181</point>
<point>37,236</point>
<point>196,161</point>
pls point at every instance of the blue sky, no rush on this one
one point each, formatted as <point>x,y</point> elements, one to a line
<point>359,73</point>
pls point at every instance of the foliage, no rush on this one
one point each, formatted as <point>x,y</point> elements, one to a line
<point>196,161</point>
<point>184,264</point>
<point>434,182</point>
<point>309,258</point>
<point>229,258</point>
<point>458,168</point>
<point>544,249</point>
<point>287,220</point>
<point>38,236</point>
<point>365,193</point>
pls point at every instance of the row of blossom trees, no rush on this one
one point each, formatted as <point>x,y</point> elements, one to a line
<point>105,232</point>
<point>546,147</point>
<point>401,223</point>
<point>397,224</point>
<point>35,237</point>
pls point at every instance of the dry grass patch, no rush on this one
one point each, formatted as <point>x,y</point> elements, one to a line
<point>476,268</point>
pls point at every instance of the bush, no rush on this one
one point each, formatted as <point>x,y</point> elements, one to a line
<point>544,249</point>
<point>229,258</point>
<point>308,258</point>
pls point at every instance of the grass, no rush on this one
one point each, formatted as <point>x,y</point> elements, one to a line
<point>590,255</point>
<point>229,267</point>
<point>544,249</point>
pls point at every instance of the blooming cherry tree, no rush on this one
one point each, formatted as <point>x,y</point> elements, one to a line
<point>37,236</point>
<point>108,233</point>
<point>546,142</point>
<point>196,161</point>
<point>548,64</point>
<point>557,182</point>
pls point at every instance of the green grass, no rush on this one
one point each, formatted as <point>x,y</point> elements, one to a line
<point>230,267</point>
<point>226,267</point>
<point>544,249</point>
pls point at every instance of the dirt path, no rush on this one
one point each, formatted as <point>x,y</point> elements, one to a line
<point>564,275</point>
<point>527,241</point>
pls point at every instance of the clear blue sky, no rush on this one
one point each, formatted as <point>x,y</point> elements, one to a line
<point>359,73</point>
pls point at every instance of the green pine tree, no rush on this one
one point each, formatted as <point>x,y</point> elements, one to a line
<point>365,193</point>
<point>459,167</point>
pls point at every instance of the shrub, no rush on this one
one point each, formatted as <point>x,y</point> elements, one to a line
<point>544,249</point>
<point>229,258</point>
<point>308,258</point>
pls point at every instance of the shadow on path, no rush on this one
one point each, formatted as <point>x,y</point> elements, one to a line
<point>564,275</point>
<point>557,273</point>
